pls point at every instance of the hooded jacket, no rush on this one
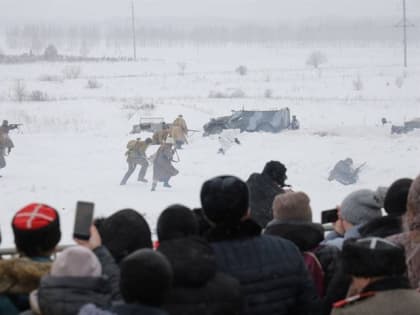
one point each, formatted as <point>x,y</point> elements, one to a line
<point>198,288</point>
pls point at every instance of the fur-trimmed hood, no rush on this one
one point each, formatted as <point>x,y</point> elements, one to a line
<point>305,235</point>
<point>21,275</point>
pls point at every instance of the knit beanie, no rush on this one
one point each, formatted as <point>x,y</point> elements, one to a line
<point>76,261</point>
<point>395,203</point>
<point>36,229</point>
<point>224,199</point>
<point>175,222</point>
<point>292,206</point>
<point>146,276</point>
<point>360,207</point>
<point>373,257</point>
<point>412,217</point>
<point>124,232</point>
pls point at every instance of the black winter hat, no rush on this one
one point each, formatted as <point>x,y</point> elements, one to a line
<point>36,228</point>
<point>276,171</point>
<point>145,277</point>
<point>373,257</point>
<point>395,202</point>
<point>124,232</point>
<point>176,221</point>
<point>224,199</point>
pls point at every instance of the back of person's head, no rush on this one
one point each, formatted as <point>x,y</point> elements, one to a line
<point>36,229</point>
<point>292,206</point>
<point>224,199</point>
<point>276,171</point>
<point>124,232</point>
<point>76,261</point>
<point>360,207</point>
<point>204,223</point>
<point>412,216</point>
<point>145,278</point>
<point>373,257</point>
<point>176,221</point>
<point>395,203</point>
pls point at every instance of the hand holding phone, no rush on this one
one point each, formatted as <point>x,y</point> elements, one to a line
<point>83,220</point>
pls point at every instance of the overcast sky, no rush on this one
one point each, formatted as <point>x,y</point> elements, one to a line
<point>260,10</point>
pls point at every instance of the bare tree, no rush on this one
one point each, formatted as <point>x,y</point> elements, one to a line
<point>241,70</point>
<point>182,66</point>
<point>316,59</point>
<point>19,90</point>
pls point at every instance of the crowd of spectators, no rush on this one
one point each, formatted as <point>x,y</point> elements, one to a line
<point>227,257</point>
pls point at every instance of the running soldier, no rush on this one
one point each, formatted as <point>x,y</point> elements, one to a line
<point>163,169</point>
<point>179,131</point>
<point>6,144</point>
<point>136,154</point>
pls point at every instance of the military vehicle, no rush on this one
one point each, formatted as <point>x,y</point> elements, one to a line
<point>150,124</point>
<point>409,125</point>
<point>251,121</point>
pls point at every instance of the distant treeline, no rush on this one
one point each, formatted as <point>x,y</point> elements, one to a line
<point>114,34</point>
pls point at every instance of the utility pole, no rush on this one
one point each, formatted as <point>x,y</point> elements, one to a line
<point>134,30</point>
<point>404,24</point>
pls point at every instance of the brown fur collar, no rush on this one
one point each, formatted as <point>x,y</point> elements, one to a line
<point>21,275</point>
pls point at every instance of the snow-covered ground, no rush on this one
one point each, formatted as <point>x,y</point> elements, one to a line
<point>72,146</point>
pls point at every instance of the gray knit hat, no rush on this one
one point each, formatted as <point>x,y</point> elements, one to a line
<point>360,207</point>
<point>76,261</point>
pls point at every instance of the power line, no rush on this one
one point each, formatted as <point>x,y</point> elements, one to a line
<point>134,30</point>
<point>404,24</point>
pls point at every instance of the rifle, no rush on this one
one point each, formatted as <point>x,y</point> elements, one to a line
<point>357,169</point>
<point>177,156</point>
<point>193,130</point>
<point>14,126</point>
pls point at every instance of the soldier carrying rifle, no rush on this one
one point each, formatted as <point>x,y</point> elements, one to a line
<point>6,144</point>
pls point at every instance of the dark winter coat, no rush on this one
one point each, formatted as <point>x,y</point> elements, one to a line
<point>307,237</point>
<point>344,173</point>
<point>110,270</point>
<point>388,296</point>
<point>122,309</point>
<point>382,227</point>
<point>198,288</point>
<point>262,190</point>
<point>273,276</point>
<point>66,295</point>
<point>163,169</point>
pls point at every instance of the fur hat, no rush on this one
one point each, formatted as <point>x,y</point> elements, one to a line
<point>360,207</point>
<point>76,261</point>
<point>124,232</point>
<point>292,206</point>
<point>395,202</point>
<point>276,171</point>
<point>145,278</point>
<point>176,221</point>
<point>36,228</point>
<point>224,199</point>
<point>412,216</point>
<point>373,257</point>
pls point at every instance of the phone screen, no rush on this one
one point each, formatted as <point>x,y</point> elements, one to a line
<point>83,220</point>
<point>329,216</point>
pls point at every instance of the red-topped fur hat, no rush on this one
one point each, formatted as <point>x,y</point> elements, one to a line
<point>36,228</point>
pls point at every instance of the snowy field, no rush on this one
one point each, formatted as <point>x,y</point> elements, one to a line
<point>72,146</point>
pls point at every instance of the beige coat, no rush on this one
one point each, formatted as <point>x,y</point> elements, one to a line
<point>392,302</point>
<point>178,134</point>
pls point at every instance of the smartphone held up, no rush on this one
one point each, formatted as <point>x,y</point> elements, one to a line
<point>83,220</point>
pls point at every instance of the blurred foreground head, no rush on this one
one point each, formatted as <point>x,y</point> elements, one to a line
<point>146,276</point>
<point>176,221</point>
<point>224,199</point>
<point>124,232</point>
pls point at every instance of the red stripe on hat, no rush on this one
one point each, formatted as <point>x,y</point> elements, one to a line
<point>34,216</point>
